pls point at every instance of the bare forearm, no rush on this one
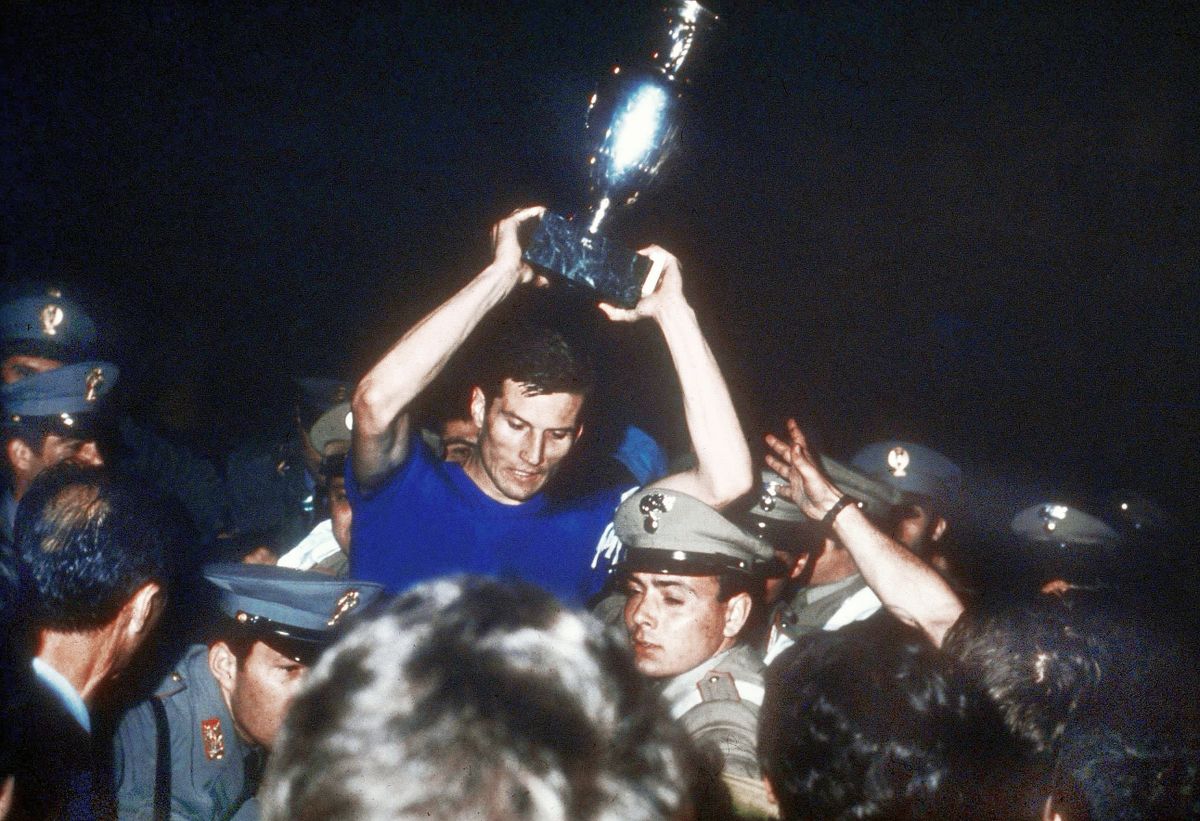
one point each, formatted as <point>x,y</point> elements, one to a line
<point>907,586</point>
<point>723,468</point>
<point>384,395</point>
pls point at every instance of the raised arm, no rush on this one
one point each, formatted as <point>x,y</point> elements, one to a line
<point>908,587</point>
<point>723,468</point>
<point>383,397</point>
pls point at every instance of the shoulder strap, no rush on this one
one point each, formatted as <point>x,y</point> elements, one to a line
<point>162,762</point>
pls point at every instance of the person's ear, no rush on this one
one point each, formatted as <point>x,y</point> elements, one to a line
<point>737,611</point>
<point>939,529</point>
<point>145,606</point>
<point>798,565</point>
<point>20,455</point>
<point>478,406</point>
<point>222,663</point>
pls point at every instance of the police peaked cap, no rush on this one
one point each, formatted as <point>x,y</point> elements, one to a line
<point>665,531</point>
<point>300,610</point>
<point>877,497</point>
<point>46,323</point>
<point>63,392</point>
<point>911,468</point>
<point>1061,524</point>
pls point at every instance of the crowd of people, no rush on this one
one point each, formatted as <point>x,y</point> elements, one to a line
<point>391,618</point>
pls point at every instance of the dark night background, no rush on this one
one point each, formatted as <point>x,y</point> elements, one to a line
<point>971,224</point>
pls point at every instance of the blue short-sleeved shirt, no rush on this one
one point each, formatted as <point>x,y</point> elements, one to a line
<point>430,519</point>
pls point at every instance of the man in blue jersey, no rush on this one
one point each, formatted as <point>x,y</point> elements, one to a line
<point>416,517</point>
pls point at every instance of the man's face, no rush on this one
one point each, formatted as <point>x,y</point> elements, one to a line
<point>459,437</point>
<point>915,527</point>
<point>675,622</point>
<point>261,691</point>
<point>522,440</point>
<point>18,366</point>
<point>339,512</point>
<point>29,461</point>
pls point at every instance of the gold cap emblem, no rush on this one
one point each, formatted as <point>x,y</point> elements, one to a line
<point>345,604</point>
<point>94,380</point>
<point>213,737</point>
<point>52,316</point>
<point>898,461</point>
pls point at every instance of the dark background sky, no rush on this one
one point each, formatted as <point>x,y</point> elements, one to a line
<point>973,224</point>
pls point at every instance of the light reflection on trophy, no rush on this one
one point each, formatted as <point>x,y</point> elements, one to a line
<point>634,117</point>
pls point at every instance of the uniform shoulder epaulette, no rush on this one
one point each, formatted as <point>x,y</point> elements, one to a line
<point>173,685</point>
<point>718,685</point>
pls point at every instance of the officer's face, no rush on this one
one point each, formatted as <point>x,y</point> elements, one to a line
<point>16,367</point>
<point>676,622</point>
<point>522,440</point>
<point>916,527</point>
<point>27,462</point>
<point>459,437</point>
<point>339,512</point>
<point>259,692</point>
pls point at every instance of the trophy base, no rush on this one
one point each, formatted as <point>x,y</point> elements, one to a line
<point>566,249</point>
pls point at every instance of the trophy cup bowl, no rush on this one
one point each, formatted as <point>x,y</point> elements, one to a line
<point>635,118</point>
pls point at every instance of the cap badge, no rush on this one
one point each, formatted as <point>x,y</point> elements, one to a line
<point>898,459</point>
<point>339,394</point>
<point>769,495</point>
<point>345,604</point>
<point>651,506</point>
<point>52,317</point>
<point>1051,515</point>
<point>94,380</point>
<point>214,738</point>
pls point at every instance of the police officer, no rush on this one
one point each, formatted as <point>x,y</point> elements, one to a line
<point>1062,548</point>
<point>823,589</point>
<point>196,748</point>
<point>275,485</point>
<point>693,581</point>
<point>50,417</point>
<point>326,548</point>
<point>42,329</point>
<point>39,331</point>
<point>930,484</point>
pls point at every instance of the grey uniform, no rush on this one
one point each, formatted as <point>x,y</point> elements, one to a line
<point>213,772</point>
<point>822,607</point>
<point>717,703</point>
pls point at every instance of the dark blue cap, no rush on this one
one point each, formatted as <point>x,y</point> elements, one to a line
<point>46,323</point>
<point>301,608</point>
<point>912,469</point>
<point>65,392</point>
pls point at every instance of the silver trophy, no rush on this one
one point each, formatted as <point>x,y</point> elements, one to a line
<point>634,120</point>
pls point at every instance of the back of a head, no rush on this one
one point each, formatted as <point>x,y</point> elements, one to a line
<point>477,698</point>
<point>86,541</point>
<point>1113,765</point>
<point>866,722</point>
<point>1037,658</point>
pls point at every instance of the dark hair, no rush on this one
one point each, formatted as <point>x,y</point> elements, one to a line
<point>871,722</point>
<point>540,359</point>
<point>1036,658</point>
<point>481,698</point>
<point>86,541</point>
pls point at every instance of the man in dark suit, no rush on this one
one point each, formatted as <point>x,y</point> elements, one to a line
<point>92,556</point>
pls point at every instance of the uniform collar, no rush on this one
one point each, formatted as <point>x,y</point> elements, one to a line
<point>684,684</point>
<point>66,693</point>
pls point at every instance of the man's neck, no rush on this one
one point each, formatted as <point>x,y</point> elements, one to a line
<point>84,659</point>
